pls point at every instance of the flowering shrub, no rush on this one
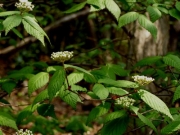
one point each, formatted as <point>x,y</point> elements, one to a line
<point>120,101</point>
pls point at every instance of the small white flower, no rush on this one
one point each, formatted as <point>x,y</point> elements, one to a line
<point>26,132</point>
<point>61,56</point>
<point>142,80</point>
<point>125,101</point>
<point>24,5</point>
<point>23,1</point>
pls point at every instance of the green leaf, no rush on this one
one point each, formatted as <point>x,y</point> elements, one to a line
<point>3,80</point>
<point>148,25</point>
<point>172,60</point>
<point>7,120</point>
<point>27,69</point>
<point>119,83</point>
<point>177,5</point>
<point>11,22</point>
<point>17,33</point>
<point>113,8</point>
<point>118,70</point>
<point>74,78</point>
<point>115,127</point>
<point>98,111</point>
<point>34,32</point>
<point>117,91</point>
<point>33,28</point>
<point>41,96</point>
<point>46,110</point>
<point>148,61</point>
<point>147,121</point>
<point>76,124</point>
<point>175,13</point>
<point>76,7</point>
<point>96,5</point>
<point>69,97</point>
<point>53,68</point>
<point>8,86</point>
<point>92,95</point>
<point>89,78</point>
<point>134,109</point>
<point>171,127</point>
<point>154,13</point>
<point>7,13</point>
<point>56,82</point>
<point>108,72</point>
<point>100,91</point>
<point>78,68</point>
<point>40,64</point>
<point>163,9</point>
<point>127,18</point>
<point>77,88</point>
<point>37,81</point>
<point>115,115</point>
<point>25,113</point>
<point>104,72</point>
<point>154,102</point>
<point>176,94</point>
<point>32,21</point>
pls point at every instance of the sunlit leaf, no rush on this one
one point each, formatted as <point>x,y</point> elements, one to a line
<point>154,102</point>
<point>148,25</point>
<point>127,18</point>
<point>113,8</point>
<point>37,81</point>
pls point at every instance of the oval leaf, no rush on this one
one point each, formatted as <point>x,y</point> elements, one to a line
<point>7,120</point>
<point>119,83</point>
<point>148,25</point>
<point>176,94</point>
<point>98,111</point>
<point>172,60</point>
<point>154,102</point>
<point>100,91</point>
<point>115,115</point>
<point>56,82</point>
<point>154,13</point>
<point>147,121</point>
<point>171,127</point>
<point>37,81</point>
<point>11,22</point>
<point>74,78</point>
<point>113,8</point>
<point>127,18</point>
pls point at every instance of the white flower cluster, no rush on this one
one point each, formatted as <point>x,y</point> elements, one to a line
<point>142,80</point>
<point>26,132</point>
<point>61,56</point>
<point>24,5</point>
<point>125,101</point>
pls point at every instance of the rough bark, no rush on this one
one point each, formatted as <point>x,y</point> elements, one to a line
<point>143,45</point>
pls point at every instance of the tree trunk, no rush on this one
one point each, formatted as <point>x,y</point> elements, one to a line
<point>143,45</point>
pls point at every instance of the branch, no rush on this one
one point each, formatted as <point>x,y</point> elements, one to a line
<point>10,49</point>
